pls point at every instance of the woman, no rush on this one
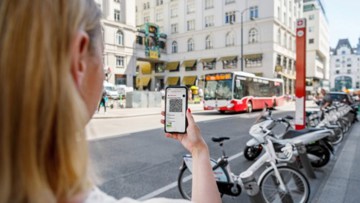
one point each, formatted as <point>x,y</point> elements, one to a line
<point>51,80</point>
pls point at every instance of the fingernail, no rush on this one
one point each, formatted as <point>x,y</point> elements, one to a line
<point>189,110</point>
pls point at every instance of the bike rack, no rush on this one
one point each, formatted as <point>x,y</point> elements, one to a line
<point>305,160</point>
<point>251,187</point>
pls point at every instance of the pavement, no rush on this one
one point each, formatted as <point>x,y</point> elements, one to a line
<point>341,183</point>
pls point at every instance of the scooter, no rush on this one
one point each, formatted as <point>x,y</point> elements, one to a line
<point>314,139</point>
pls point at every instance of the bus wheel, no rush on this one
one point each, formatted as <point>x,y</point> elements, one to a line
<point>249,107</point>
<point>222,111</point>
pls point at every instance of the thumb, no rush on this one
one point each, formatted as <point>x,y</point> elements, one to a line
<point>190,117</point>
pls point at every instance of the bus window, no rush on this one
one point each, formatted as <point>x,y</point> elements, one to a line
<point>241,88</point>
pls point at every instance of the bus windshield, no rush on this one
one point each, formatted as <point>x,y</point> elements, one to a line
<point>218,89</point>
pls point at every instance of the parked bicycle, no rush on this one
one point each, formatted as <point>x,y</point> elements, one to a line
<point>277,182</point>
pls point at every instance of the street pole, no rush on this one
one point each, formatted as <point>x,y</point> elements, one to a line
<point>242,42</point>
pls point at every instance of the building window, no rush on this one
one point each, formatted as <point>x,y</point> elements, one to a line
<point>119,61</point>
<point>174,28</point>
<point>337,72</point>
<point>209,4</point>
<point>116,15</point>
<point>208,42</point>
<point>311,29</point>
<point>279,36</point>
<point>279,13</point>
<point>210,65</point>
<point>191,68</point>
<point>349,71</point>
<point>230,39</point>
<point>173,12</point>
<point>357,85</point>
<point>230,17</point>
<point>253,62</point>
<point>146,5</point>
<point>190,7</point>
<point>191,44</point>
<point>229,2</point>
<point>254,12</point>
<point>209,21</point>
<point>311,41</point>
<point>349,65</point>
<point>174,47</point>
<point>253,36</point>
<point>230,64</point>
<point>119,37</point>
<point>159,68</point>
<point>337,60</point>
<point>285,38</point>
<point>159,2</point>
<point>190,25</point>
<point>311,17</point>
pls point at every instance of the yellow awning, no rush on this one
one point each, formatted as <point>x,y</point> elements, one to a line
<point>207,60</point>
<point>227,58</point>
<point>142,81</point>
<point>278,68</point>
<point>253,56</point>
<point>189,80</point>
<point>144,67</point>
<point>292,77</point>
<point>172,65</point>
<point>172,80</point>
<point>189,63</point>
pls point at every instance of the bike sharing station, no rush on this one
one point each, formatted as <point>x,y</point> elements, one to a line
<point>285,156</point>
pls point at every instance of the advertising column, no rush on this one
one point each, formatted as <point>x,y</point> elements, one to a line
<point>300,74</point>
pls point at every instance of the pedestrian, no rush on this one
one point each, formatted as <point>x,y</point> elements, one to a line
<point>326,99</point>
<point>102,101</point>
<point>54,49</point>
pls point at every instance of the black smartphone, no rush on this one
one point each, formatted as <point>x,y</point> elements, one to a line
<point>176,102</point>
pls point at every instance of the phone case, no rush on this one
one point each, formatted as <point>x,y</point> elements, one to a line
<point>186,107</point>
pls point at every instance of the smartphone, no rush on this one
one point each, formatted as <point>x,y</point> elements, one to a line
<point>176,102</point>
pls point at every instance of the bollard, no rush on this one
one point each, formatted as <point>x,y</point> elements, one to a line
<point>304,160</point>
<point>251,187</point>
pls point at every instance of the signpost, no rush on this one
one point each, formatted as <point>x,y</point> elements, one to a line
<point>300,92</point>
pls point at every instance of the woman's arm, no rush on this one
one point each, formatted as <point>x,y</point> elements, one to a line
<point>204,185</point>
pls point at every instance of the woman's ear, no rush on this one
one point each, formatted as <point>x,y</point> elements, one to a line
<point>79,56</point>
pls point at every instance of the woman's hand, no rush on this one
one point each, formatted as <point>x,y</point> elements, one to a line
<point>192,140</point>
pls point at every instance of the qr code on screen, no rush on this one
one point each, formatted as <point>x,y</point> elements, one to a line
<point>175,105</point>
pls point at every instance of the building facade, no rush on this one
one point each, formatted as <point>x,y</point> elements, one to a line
<point>207,36</point>
<point>119,34</point>
<point>345,66</point>
<point>317,46</point>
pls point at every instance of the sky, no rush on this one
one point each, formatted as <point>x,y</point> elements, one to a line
<point>344,20</point>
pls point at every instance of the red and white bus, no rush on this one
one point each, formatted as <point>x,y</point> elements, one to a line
<point>240,91</point>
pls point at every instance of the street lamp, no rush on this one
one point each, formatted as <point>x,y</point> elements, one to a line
<point>242,38</point>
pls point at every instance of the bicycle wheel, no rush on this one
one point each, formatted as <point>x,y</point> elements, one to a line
<point>297,186</point>
<point>337,138</point>
<point>185,183</point>
<point>318,155</point>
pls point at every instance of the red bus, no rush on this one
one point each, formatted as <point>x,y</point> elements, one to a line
<point>240,91</point>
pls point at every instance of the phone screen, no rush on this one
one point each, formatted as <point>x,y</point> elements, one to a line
<point>175,109</point>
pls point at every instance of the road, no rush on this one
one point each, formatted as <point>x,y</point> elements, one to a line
<point>142,163</point>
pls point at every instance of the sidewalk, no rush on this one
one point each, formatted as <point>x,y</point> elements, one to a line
<point>343,183</point>
<point>134,112</point>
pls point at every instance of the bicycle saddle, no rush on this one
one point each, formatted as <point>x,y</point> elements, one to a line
<point>295,133</point>
<point>219,139</point>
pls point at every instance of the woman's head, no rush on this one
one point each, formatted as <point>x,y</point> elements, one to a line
<point>51,80</point>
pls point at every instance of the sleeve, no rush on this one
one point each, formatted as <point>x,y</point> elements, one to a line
<point>98,196</point>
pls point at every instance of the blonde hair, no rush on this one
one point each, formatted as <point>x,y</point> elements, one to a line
<point>43,148</point>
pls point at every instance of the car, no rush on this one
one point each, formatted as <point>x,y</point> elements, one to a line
<point>341,97</point>
<point>111,91</point>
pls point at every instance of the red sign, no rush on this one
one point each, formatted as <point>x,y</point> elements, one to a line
<point>300,91</point>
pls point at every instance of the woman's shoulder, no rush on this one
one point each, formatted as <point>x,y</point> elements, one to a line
<point>98,196</point>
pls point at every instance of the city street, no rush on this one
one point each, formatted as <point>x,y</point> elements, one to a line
<point>143,164</point>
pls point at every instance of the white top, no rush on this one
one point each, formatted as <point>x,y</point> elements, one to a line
<point>98,196</point>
